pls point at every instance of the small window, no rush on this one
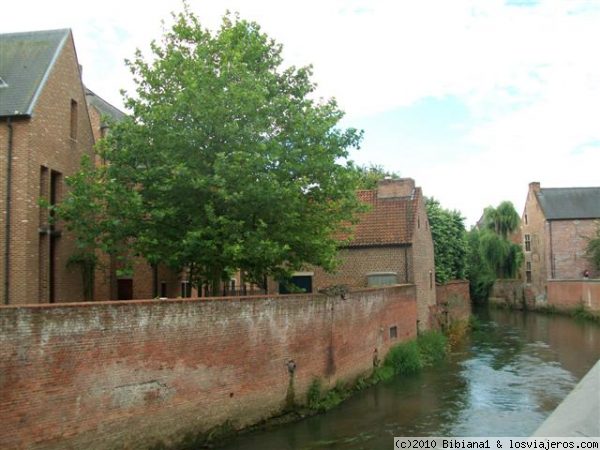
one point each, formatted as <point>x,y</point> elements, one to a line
<point>525,218</point>
<point>418,221</point>
<point>430,279</point>
<point>73,133</point>
<point>163,289</point>
<point>394,332</point>
<point>527,243</point>
<point>186,289</point>
<point>528,272</point>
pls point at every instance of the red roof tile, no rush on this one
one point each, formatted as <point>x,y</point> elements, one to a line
<point>389,221</point>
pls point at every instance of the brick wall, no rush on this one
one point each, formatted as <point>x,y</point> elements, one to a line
<point>571,294</point>
<point>511,293</point>
<point>453,302</point>
<point>423,264</point>
<point>533,223</point>
<point>357,262</point>
<point>44,140</point>
<point>129,374</point>
<point>569,240</point>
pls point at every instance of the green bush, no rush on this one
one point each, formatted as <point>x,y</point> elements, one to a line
<point>313,396</point>
<point>404,358</point>
<point>432,346</point>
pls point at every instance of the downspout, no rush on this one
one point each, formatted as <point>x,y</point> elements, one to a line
<point>8,209</point>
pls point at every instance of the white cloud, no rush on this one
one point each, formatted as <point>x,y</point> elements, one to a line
<point>529,75</point>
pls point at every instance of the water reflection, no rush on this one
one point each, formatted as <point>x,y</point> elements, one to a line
<point>503,380</point>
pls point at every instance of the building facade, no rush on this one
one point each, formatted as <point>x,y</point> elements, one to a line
<point>45,130</point>
<point>555,228</point>
<point>391,244</point>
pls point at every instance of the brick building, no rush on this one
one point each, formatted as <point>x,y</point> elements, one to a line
<point>391,244</point>
<point>45,129</point>
<point>555,228</point>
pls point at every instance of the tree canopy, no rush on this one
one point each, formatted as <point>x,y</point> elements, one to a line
<point>369,176</point>
<point>227,162</point>
<point>492,254</point>
<point>449,241</point>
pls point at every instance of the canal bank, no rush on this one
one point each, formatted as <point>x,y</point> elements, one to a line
<point>502,380</point>
<point>579,413</point>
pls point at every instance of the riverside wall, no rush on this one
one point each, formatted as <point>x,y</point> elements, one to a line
<point>148,373</point>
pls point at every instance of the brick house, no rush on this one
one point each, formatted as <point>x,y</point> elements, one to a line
<point>555,228</point>
<point>391,244</point>
<point>45,129</point>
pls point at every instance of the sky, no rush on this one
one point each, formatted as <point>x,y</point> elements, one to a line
<point>474,99</point>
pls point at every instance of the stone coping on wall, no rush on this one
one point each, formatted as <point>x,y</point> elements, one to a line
<point>194,299</point>
<point>575,280</point>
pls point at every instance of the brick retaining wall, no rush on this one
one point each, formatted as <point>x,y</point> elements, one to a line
<point>133,374</point>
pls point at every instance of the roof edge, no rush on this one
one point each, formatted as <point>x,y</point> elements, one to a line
<point>42,84</point>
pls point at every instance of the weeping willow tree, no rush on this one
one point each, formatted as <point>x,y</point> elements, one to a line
<point>491,253</point>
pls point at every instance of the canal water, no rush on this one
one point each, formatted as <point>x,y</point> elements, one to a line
<point>502,380</point>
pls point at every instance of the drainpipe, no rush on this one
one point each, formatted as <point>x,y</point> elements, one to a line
<point>8,208</point>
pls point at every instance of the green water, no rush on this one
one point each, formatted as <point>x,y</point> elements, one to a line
<point>503,380</point>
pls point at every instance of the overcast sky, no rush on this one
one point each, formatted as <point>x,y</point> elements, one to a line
<point>472,98</point>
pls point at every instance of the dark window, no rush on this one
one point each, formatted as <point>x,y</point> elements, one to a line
<point>418,221</point>
<point>527,243</point>
<point>525,219</point>
<point>73,133</point>
<point>163,289</point>
<point>124,288</point>
<point>528,272</point>
<point>302,282</point>
<point>186,289</point>
<point>430,279</point>
<point>393,332</point>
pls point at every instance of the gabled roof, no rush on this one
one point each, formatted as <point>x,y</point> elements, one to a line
<point>26,60</point>
<point>104,108</point>
<point>390,221</point>
<point>570,203</point>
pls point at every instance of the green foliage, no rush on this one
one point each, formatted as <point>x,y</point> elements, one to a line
<point>314,393</point>
<point>491,254</point>
<point>593,248</point>
<point>583,314</point>
<point>227,162</point>
<point>433,347</point>
<point>404,358</point>
<point>480,275</point>
<point>369,176</point>
<point>449,242</point>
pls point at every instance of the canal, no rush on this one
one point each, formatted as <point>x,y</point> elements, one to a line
<point>502,380</point>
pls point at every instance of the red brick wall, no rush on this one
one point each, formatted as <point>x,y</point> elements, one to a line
<point>533,223</point>
<point>570,294</point>
<point>569,240</point>
<point>454,299</point>
<point>423,264</point>
<point>129,374</point>
<point>43,140</point>
<point>357,262</point>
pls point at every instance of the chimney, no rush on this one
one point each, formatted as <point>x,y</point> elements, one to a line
<point>534,186</point>
<point>389,188</point>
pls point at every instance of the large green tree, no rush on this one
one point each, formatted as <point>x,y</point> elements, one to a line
<point>227,160</point>
<point>369,176</point>
<point>492,254</point>
<point>449,241</point>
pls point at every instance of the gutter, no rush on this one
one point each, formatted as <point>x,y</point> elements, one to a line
<point>8,210</point>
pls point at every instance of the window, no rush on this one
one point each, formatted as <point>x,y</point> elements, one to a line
<point>430,279</point>
<point>73,132</point>
<point>394,332</point>
<point>528,272</point>
<point>525,218</point>
<point>163,289</point>
<point>418,221</point>
<point>186,289</point>
<point>527,243</point>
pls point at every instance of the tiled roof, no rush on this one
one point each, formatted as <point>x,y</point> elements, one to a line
<point>389,221</point>
<point>570,203</point>
<point>25,62</point>
<point>103,107</point>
